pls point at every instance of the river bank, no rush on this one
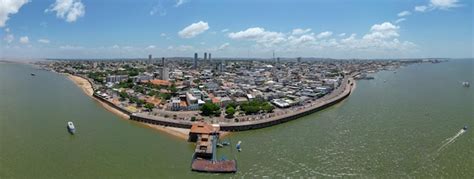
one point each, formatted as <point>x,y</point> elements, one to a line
<point>86,87</point>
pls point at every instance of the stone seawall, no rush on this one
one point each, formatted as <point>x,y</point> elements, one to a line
<point>238,126</point>
<point>267,123</point>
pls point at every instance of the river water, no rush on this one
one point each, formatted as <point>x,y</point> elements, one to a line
<point>402,124</point>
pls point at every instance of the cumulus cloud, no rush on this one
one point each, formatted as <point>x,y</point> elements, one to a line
<point>324,34</point>
<point>224,30</point>
<point>8,7</point>
<point>342,34</point>
<point>259,35</point>
<point>69,10</point>
<point>382,31</point>
<point>24,40</point>
<point>300,31</point>
<point>44,41</point>
<point>404,13</point>
<point>193,29</point>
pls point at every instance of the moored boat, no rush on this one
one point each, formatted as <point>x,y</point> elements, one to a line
<point>70,127</point>
<point>464,128</point>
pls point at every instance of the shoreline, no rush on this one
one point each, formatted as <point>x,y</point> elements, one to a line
<point>86,87</point>
<point>182,133</point>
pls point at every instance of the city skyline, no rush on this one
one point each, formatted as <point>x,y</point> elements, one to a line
<point>126,29</point>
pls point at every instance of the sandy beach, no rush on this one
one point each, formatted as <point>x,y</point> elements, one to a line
<point>86,87</point>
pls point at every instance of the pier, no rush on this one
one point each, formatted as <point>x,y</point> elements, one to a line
<point>205,158</point>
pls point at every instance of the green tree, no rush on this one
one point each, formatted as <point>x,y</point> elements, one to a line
<point>267,107</point>
<point>209,109</point>
<point>230,111</point>
<point>149,106</point>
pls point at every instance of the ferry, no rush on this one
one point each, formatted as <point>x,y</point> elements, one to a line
<point>70,127</point>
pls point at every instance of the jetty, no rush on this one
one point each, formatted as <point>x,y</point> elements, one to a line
<point>204,159</point>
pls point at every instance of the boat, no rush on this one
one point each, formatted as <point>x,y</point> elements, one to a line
<point>32,74</point>
<point>238,146</point>
<point>465,84</point>
<point>225,143</point>
<point>464,128</point>
<point>219,145</point>
<point>70,127</point>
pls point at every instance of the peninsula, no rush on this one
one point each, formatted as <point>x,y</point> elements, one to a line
<point>235,94</point>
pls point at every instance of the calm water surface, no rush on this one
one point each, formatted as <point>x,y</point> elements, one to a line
<point>402,124</point>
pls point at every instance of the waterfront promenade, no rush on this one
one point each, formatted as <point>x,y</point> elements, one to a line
<point>244,123</point>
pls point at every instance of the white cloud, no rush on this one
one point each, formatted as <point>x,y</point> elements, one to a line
<point>9,38</point>
<point>444,4</point>
<point>421,8</point>
<point>224,30</point>
<point>163,34</point>
<point>24,40</point>
<point>301,40</point>
<point>324,34</point>
<point>342,34</point>
<point>7,30</point>
<point>300,31</point>
<point>44,41</point>
<point>69,10</point>
<point>438,4</point>
<point>258,34</point>
<point>400,20</point>
<point>404,13</point>
<point>115,46</point>
<point>70,47</point>
<point>179,3</point>
<point>223,46</point>
<point>150,47</point>
<point>8,7</point>
<point>382,31</point>
<point>193,29</point>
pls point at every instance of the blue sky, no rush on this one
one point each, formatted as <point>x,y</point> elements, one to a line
<point>244,28</point>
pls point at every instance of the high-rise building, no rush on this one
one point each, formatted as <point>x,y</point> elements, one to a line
<point>149,59</point>
<point>298,59</point>
<point>209,56</point>
<point>163,61</point>
<point>205,56</point>
<point>195,60</point>
<point>164,73</point>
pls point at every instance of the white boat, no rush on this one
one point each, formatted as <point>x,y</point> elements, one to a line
<point>465,84</point>
<point>70,127</point>
<point>238,146</point>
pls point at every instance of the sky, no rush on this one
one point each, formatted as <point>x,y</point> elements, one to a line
<point>241,28</point>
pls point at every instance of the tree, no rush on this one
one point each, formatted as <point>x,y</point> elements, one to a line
<point>267,107</point>
<point>209,109</point>
<point>193,118</point>
<point>149,106</point>
<point>230,111</point>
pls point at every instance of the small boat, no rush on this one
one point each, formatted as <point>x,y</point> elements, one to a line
<point>32,74</point>
<point>465,84</point>
<point>219,145</point>
<point>70,127</point>
<point>225,143</point>
<point>464,128</point>
<point>238,146</point>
